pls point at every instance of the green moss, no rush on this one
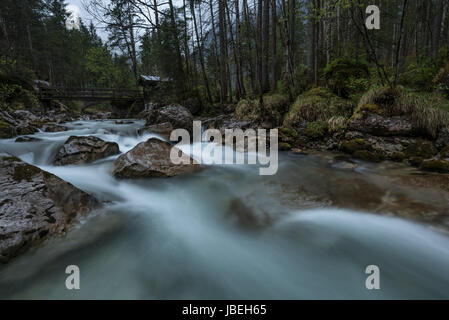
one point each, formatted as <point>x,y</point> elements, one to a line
<point>288,132</point>
<point>435,165</point>
<point>398,156</point>
<point>371,156</point>
<point>422,149</point>
<point>347,76</point>
<point>351,146</point>
<point>316,130</point>
<point>273,108</point>
<point>25,172</point>
<point>363,110</point>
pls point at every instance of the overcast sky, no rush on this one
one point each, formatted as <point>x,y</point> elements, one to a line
<point>76,5</point>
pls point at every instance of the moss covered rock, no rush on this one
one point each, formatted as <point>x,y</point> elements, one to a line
<point>398,156</point>
<point>351,146</point>
<point>423,149</point>
<point>435,165</point>
<point>364,110</point>
<point>271,110</point>
<point>371,156</point>
<point>317,104</point>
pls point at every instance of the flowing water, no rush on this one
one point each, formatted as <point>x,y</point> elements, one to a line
<point>227,233</point>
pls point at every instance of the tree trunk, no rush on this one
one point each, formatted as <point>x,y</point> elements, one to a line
<point>274,60</point>
<point>200,51</point>
<point>265,45</point>
<point>223,44</point>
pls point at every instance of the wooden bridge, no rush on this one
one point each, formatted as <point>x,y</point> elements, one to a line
<point>88,94</point>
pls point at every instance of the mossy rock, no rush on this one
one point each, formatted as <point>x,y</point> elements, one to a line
<point>422,149</point>
<point>435,165</point>
<point>273,108</point>
<point>284,146</point>
<point>25,172</point>
<point>316,130</point>
<point>444,153</point>
<point>6,130</point>
<point>364,110</point>
<point>351,146</point>
<point>317,104</point>
<point>371,156</point>
<point>398,156</point>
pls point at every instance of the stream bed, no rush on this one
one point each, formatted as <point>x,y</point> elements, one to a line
<point>308,232</point>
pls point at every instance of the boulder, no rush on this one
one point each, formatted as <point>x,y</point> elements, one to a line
<point>79,150</point>
<point>27,139</point>
<point>35,205</point>
<point>179,116</point>
<point>162,129</point>
<point>435,165</point>
<point>150,159</point>
<point>53,127</point>
<point>421,148</point>
<point>443,138</point>
<point>10,126</point>
<point>24,115</point>
<point>226,122</point>
<point>378,125</point>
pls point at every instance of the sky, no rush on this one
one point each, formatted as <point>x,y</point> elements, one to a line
<point>77,7</point>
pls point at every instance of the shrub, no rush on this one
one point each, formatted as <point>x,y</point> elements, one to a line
<point>346,76</point>
<point>273,108</point>
<point>419,75</point>
<point>317,104</point>
<point>441,80</point>
<point>316,130</point>
<point>337,123</point>
<point>14,97</point>
<point>14,73</point>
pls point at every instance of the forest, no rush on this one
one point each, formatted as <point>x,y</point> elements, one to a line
<point>355,101</point>
<point>224,51</point>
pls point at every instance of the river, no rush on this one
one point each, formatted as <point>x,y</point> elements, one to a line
<point>225,232</point>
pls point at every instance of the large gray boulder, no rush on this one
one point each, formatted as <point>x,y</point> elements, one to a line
<point>150,159</point>
<point>80,150</point>
<point>162,129</point>
<point>384,126</point>
<point>179,116</point>
<point>35,205</point>
<point>18,123</point>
